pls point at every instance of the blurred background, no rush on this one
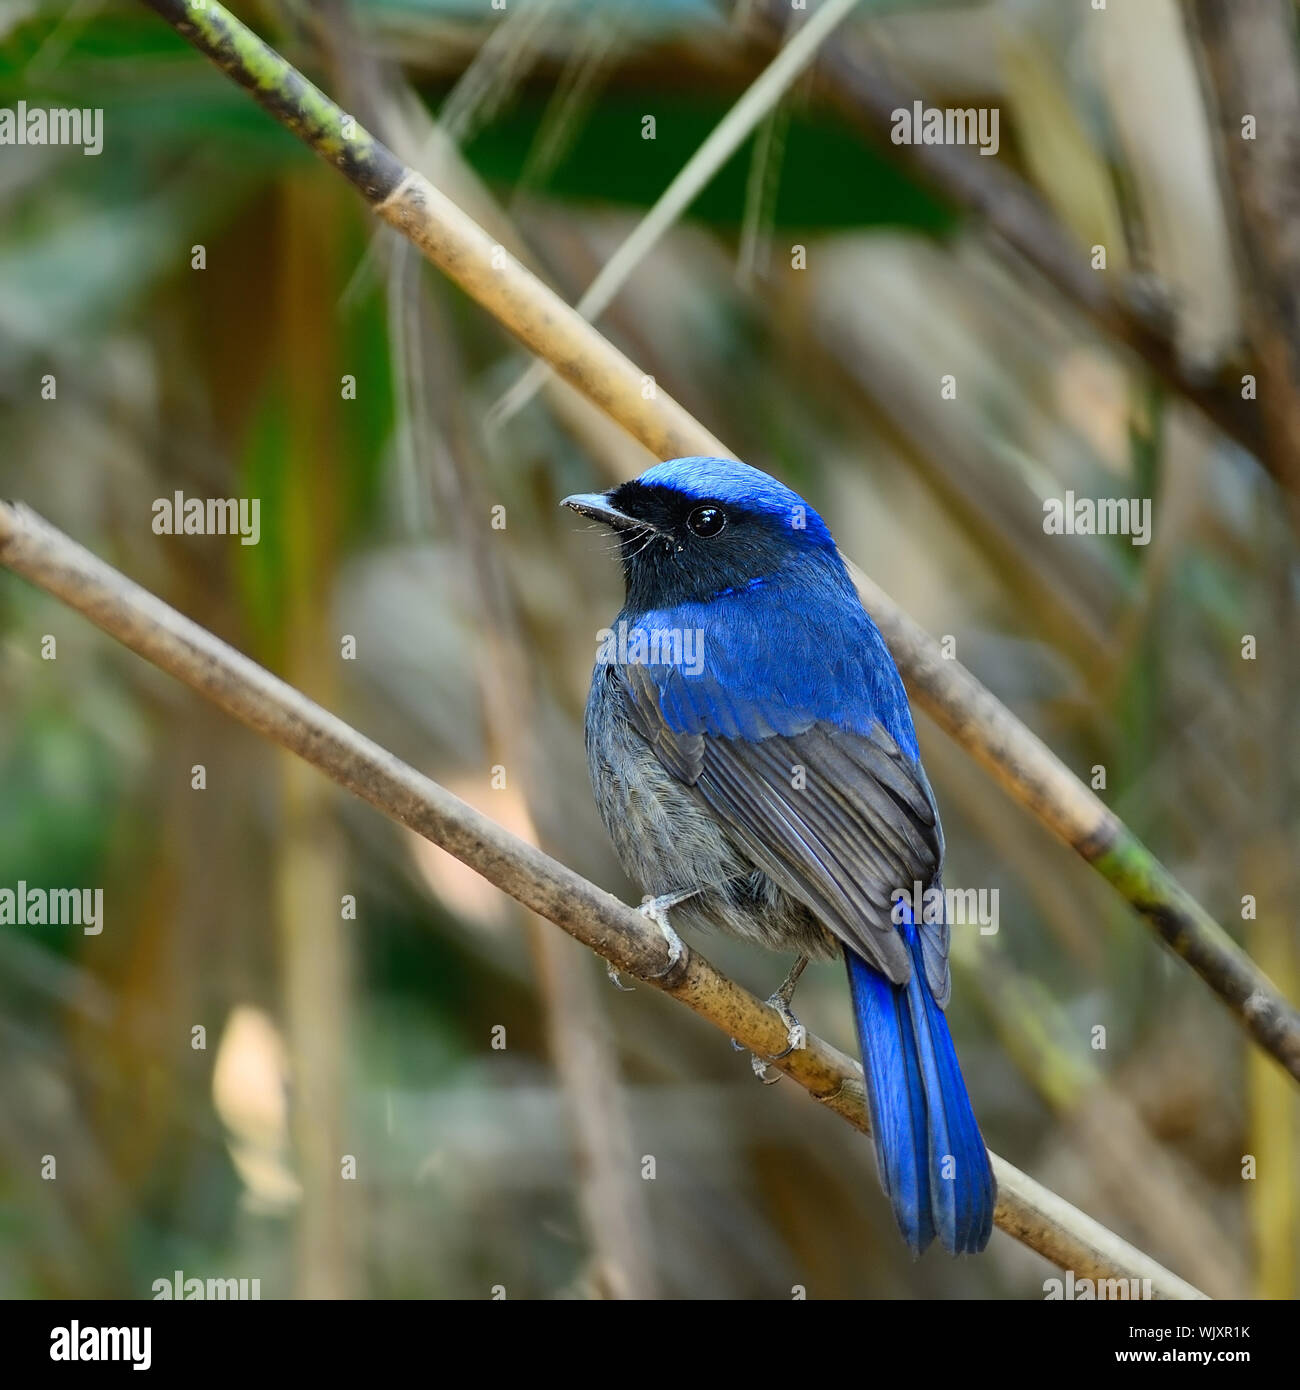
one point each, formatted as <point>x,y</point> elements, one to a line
<point>200,1070</point>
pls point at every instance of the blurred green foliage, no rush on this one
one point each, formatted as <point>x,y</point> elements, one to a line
<point>225,382</point>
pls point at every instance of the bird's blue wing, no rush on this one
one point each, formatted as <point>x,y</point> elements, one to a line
<point>793,728</point>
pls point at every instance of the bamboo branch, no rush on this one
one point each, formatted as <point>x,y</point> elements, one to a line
<point>865,90</point>
<point>786,67</point>
<point>1248,51</point>
<point>47,558</point>
<point>611,1196</point>
<point>545,324</point>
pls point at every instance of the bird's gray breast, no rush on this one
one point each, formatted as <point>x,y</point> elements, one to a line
<point>668,840</point>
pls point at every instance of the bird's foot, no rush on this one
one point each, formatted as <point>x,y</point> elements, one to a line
<point>656,909</point>
<point>760,1069</point>
<point>796,1035</point>
<point>614,979</point>
<point>759,1064</point>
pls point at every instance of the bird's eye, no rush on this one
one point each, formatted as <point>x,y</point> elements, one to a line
<point>706,521</point>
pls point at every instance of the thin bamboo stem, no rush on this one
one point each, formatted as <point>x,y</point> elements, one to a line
<point>44,556</point>
<point>544,323</point>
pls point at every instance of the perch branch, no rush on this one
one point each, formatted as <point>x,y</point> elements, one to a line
<point>44,556</point>
<point>767,89</point>
<point>864,89</point>
<point>545,324</point>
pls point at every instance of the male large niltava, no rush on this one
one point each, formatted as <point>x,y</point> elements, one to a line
<point>754,761</point>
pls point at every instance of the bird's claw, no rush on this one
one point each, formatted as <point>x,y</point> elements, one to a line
<point>796,1035</point>
<point>615,981</point>
<point>759,1066</point>
<point>656,909</point>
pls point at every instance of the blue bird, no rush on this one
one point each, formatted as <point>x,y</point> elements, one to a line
<point>754,761</point>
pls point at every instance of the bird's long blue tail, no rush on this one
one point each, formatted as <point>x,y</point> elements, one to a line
<point>933,1163</point>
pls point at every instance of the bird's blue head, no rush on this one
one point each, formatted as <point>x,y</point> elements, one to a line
<point>693,529</point>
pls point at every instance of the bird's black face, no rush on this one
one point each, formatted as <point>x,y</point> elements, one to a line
<point>678,548</point>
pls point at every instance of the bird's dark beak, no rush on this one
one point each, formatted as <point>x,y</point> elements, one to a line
<point>598,507</point>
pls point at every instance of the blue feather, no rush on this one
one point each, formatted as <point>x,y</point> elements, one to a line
<point>933,1163</point>
<point>792,674</point>
<point>780,657</point>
